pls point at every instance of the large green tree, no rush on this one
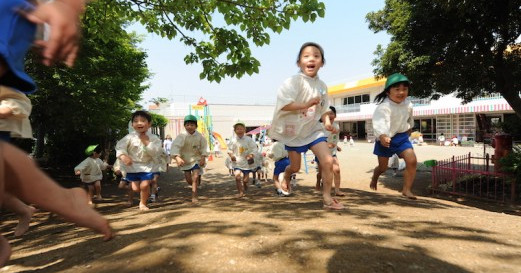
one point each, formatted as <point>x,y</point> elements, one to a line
<point>92,102</point>
<point>220,32</point>
<point>467,47</point>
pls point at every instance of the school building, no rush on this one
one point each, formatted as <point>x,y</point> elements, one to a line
<point>221,117</point>
<point>355,107</point>
<point>447,115</point>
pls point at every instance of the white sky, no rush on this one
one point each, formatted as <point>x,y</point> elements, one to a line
<point>343,33</point>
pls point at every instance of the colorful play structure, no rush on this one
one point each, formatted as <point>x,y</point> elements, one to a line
<point>204,124</point>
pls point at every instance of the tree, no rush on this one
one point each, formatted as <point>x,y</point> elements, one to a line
<point>219,31</point>
<point>159,123</point>
<point>467,47</point>
<point>92,102</point>
<point>157,101</point>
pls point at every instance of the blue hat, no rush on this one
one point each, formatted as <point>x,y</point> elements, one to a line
<point>16,37</point>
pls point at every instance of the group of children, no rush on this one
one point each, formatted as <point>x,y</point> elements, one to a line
<point>301,122</point>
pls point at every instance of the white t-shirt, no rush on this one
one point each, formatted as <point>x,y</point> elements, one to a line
<point>300,127</point>
<point>240,148</point>
<point>90,169</point>
<point>143,157</point>
<point>191,148</point>
<point>333,138</point>
<point>391,118</point>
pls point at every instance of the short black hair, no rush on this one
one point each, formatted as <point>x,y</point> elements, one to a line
<point>333,109</point>
<point>141,113</point>
<point>314,45</point>
<point>190,121</point>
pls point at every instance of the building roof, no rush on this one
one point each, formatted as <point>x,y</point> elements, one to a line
<point>355,85</point>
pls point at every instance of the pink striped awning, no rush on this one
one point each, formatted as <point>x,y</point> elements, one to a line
<point>463,109</point>
<point>440,111</point>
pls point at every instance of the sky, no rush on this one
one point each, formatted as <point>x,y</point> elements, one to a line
<point>343,33</point>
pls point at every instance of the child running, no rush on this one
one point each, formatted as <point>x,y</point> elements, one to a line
<point>332,143</point>
<point>280,158</point>
<point>90,172</point>
<point>301,101</point>
<point>392,124</point>
<point>241,151</point>
<point>137,152</point>
<point>190,150</point>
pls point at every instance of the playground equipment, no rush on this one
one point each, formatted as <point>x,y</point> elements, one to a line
<point>204,124</point>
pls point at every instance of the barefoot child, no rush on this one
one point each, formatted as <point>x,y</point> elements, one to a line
<point>241,151</point>
<point>190,150</point>
<point>332,143</point>
<point>90,172</point>
<point>25,180</point>
<point>301,101</point>
<point>137,152</point>
<point>280,158</point>
<point>20,177</point>
<point>392,123</point>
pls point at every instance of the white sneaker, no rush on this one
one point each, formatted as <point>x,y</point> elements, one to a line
<point>152,198</point>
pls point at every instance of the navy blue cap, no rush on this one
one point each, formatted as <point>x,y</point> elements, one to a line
<point>16,37</point>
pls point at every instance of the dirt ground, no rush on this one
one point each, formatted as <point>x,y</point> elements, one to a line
<point>377,232</point>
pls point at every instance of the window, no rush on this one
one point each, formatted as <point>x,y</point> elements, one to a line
<point>359,99</point>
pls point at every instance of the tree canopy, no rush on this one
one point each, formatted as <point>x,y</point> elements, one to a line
<point>92,102</point>
<point>466,47</point>
<point>220,32</point>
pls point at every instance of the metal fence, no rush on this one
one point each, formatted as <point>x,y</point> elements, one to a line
<point>473,176</point>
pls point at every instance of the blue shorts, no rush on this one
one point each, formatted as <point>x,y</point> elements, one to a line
<point>195,167</point>
<point>244,172</point>
<point>305,148</point>
<point>399,143</point>
<point>138,177</point>
<point>5,136</point>
<point>280,166</point>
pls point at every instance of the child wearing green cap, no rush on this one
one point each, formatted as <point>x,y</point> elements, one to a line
<point>90,172</point>
<point>190,150</point>
<point>392,124</point>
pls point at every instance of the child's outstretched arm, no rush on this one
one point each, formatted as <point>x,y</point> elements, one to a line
<point>327,122</point>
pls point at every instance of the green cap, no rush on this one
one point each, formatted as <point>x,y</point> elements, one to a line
<point>395,78</point>
<point>90,149</point>
<point>191,118</point>
<point>239,123</point>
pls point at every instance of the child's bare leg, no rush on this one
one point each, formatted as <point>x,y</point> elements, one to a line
<point>318,185</point>
<point>31,185</point>
<point>410,172</point>
<point>336,177</point>
<point>97,189</point>
<point>323,154</point>
<point>195,182</point>
<point>23,211</point>
<point>90,194</point>
<point>130,196</point>
<point>144,194</point>
<point>245,179</point>
<point>378,170</point>
<point>188,177</point>
<point>5,251</point>
<point>238,182</point>
<point>294,167</point>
